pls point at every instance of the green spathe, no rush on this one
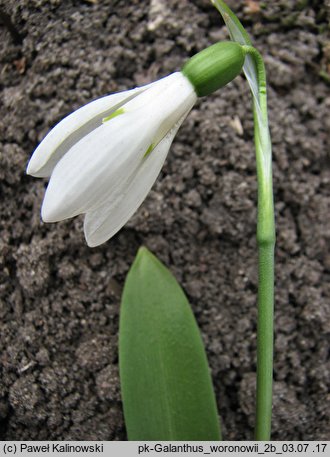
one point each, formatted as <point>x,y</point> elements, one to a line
<point>214,67</point>
<point>166,385</point>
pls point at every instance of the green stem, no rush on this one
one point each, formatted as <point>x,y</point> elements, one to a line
<point>265,343</point>
<point>266,244</point>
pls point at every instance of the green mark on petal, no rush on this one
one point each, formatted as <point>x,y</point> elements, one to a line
<point>150,148</point>
<point>114,114</point>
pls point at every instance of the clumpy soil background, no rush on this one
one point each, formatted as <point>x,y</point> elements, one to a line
<point>60,299</point>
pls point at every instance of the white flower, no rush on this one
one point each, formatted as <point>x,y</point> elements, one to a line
<point>104,158</point>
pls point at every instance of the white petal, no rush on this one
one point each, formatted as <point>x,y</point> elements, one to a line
<point>95,166</point>
<point>74,127</point>
<point>165,102</point>
<point>102,223</point>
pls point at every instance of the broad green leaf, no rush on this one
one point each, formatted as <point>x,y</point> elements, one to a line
<point>166,385</point>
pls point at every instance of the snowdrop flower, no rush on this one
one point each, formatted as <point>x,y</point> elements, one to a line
<point>103,158</point>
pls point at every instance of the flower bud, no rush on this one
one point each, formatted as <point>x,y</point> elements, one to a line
<point>214,67</point>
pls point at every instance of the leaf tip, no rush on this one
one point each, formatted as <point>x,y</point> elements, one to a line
<point>144,257</point>
<point>143,253</point>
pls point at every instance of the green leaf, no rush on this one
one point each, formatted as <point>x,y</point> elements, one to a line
<point>166,385</point>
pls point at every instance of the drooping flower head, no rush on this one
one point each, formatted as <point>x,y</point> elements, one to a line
<point>103,158</point>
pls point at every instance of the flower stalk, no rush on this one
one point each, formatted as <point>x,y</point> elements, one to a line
<point>266,245</point>
<point>255,73</point>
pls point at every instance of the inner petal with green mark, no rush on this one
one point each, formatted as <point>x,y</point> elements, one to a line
<point>149,150</point>
<point>114,114</point>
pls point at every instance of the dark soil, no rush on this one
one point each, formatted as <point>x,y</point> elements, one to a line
<point>60,299</point>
